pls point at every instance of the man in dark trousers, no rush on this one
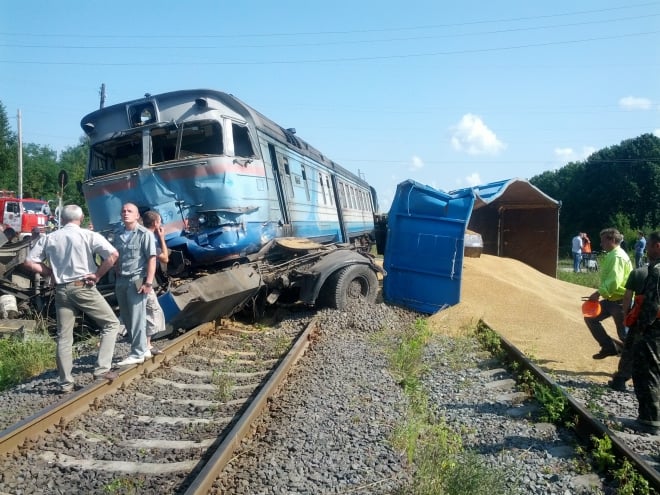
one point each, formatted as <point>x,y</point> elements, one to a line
<point>646,346</point>
<point>614,271</point>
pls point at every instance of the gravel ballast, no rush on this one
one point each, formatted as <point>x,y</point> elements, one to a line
<point>329,430</point>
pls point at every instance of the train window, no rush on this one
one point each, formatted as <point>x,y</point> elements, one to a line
<point>342,195</point>
<point>322,188</point>
<point>142,114</point>
<point>198,138</point>
<point>242,143</point>
<point>116,154</point>
<point>287,172</point>
<point>304,178</point>
<point>327,183</point>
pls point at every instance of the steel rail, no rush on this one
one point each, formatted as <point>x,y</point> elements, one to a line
<point>204,480</point>
<point>586,425</point>
<point>57,415</point>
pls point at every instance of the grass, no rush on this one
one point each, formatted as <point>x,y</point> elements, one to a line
<point>23,359</point>
<point>565,273</point>
<point>441,464</point>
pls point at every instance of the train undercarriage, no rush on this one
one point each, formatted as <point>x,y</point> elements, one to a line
<point>286,271</point>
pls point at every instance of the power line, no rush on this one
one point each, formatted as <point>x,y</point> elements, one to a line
<point>335,59</point>
<point>307,33</point>
<point>322,43</point>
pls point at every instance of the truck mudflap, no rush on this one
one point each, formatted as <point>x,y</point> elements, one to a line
<point>209,297</point>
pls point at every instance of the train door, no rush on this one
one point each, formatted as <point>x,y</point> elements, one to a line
<point>340,213</point>
<point>279,185</point>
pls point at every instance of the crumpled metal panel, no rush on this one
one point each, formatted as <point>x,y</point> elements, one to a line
<point>209,297</point>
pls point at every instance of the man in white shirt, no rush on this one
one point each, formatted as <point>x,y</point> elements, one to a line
<point>68,256</point>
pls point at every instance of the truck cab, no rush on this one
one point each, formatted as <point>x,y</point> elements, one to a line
<point>23,214</point>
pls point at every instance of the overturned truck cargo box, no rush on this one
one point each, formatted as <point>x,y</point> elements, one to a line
<point>425,241</point>
<point>209,297</point>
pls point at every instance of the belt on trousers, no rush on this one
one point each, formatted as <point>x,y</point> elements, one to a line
<point>75,283</point>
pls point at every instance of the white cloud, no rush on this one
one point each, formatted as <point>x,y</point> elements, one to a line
<point>570,155</point>
<point>635,103</point>
<point>656,132</point>
<point>563,152</point>
<point>472,136</point>
<point>416,164</point>
<point>473,179</point>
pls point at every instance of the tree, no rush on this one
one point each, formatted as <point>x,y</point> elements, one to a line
<point>8,147</point>
<point>618,186</point>
<point>39,172</point>
<point>74,161</point>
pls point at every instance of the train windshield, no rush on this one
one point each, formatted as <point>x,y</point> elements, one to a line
<point>168,142</point>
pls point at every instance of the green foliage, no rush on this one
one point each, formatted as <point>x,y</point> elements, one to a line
<point>602,454</point>
<point>20,360</point>
<point>630,481</point>
<point>8,146</point>
<point>406,359</point>
<point>489,340</point>
<point>41,166</point>
<point>223,384</point>
<point>441,463</point>
<point>469,474</point>
<point>554,404</point>
<point>587,279</point>
<point>618,186</point>
<point>125,485</point>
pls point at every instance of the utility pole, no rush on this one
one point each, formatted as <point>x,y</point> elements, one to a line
<point>20,156</point>
<point>102,95</point>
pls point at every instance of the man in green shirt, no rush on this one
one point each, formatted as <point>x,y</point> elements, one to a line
<point>614,271</point>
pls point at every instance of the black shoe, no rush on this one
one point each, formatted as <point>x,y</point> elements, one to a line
<point>602,354</point>
<point>646,428</point>
<point>617,384</point>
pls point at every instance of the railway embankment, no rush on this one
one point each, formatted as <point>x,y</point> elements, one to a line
<point>330,429</point>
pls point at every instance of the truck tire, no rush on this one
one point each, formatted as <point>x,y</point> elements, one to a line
<point>351,284</point>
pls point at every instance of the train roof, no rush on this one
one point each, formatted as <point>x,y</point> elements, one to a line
<point>286,136</point>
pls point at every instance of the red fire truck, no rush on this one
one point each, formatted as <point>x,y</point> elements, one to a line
<point>24,214</point>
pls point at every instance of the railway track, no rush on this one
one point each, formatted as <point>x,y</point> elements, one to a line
<point>625,446</point>
<point>170,425</point>
<point>166,426</point>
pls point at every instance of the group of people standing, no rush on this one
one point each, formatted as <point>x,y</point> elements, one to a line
<point>69,257</point>
<point>580,247</point>
<point>631,297</point>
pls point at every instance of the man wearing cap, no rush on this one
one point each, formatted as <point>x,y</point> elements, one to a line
<point>614,271</point>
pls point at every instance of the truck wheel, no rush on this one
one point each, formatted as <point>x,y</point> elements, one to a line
<point>351,284</point>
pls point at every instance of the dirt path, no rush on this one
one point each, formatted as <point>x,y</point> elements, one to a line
<point>539,314</point>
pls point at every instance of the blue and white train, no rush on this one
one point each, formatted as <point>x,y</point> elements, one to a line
<point>225,179</point>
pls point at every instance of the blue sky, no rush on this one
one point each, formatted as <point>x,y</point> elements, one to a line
<point>448,94</point>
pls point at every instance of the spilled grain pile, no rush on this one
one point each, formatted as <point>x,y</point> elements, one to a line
<point>538,314</point>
